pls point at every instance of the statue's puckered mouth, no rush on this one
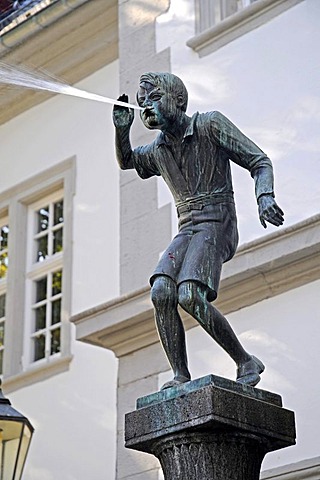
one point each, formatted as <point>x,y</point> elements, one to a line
<point>149,117</point>
<point>148,112</point>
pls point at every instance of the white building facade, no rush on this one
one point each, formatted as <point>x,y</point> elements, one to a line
<point>82,237</point>
<point>255,62</point>
<point>59,211</point>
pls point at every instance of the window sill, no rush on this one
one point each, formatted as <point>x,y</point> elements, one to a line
<point>238,24</point>
<point>36,373</point>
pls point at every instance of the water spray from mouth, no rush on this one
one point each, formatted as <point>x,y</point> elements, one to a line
<point>24,77</point>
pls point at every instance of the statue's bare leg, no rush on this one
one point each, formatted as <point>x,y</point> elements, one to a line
<point>171,332</point>
<point>192,297</point>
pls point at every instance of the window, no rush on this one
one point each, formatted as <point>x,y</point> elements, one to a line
<point>211,12</point>
<point>46,336</point>
<point>49,230</point>
<point>45,272</point>
<point>218,22</point>
<point>35,276</point>
<point>2,327</point>
<point>4,263</point>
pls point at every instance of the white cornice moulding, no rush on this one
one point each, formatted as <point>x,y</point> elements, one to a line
<point>238,24</point>
<point>304,470</point>
<point>261,269</point>
<point>37,373</point>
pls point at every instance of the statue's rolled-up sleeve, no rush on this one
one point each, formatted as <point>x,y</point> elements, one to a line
<point>143,161</point>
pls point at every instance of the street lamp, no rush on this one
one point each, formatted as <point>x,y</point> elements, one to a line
<point>15,436</point>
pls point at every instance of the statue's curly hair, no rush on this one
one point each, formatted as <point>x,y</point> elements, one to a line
<point>169,82</point>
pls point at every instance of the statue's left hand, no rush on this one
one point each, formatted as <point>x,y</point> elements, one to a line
<point>269,211</point>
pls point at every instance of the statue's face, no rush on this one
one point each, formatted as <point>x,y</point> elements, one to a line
<point>160,107</point>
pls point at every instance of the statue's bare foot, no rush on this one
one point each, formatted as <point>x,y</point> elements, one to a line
<point>175,382</point>
<point>249,373</point>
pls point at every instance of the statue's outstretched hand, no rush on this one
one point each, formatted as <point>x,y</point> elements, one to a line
<point>269,211</point>
<point>122,116</point>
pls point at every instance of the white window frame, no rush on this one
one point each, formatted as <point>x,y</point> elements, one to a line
<point>18,370</point>
<point>35,271</point>
<point>209,37</point>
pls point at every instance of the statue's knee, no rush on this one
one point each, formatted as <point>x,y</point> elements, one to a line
<point>186,297</point>
<point>163,292</point>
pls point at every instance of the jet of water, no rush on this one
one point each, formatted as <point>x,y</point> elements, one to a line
<point>38,80</point>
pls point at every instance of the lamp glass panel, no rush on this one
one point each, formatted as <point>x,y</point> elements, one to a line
<point>9,447</point>
<point>15,439</point>
<point>25,442</point>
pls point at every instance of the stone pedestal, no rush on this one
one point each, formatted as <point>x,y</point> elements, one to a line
<point>210,428</point>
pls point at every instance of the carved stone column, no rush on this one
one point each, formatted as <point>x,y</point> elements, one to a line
<point>210,428</point>
<point>210,455</point>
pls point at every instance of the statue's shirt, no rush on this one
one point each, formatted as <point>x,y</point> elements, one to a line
<point>197,171</point>
<point>200,164</point>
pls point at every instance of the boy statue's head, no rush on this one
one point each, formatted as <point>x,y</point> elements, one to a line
<point>163,96</point>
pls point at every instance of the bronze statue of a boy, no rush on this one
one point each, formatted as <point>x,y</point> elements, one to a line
<point>192,154</point>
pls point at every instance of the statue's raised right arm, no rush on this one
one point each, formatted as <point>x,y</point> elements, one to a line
<point>122,119</point>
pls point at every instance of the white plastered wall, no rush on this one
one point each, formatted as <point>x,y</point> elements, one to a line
<point>266,82</point>
<point>59,129</point>
<point>284,332</point>
<point>74,412</point>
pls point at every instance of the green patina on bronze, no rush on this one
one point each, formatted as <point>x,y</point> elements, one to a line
<point>193,154</point>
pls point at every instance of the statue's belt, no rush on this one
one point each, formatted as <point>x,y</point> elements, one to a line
<point>197,203</point>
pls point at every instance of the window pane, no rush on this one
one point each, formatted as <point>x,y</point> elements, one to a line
<point>1,334</point>
<point>2,305</point>
<point>39,347</point>
<point>43,219</point>
<point>56,312</point>
<point>4,261</point>
<point>55,341</point>
<point>4,237</point>
<point>42,248</point>
<point>41,289</point>
<point>56,282</point>
<point>58,212</point>
<point>40,318</point>
<point>57,240</point>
